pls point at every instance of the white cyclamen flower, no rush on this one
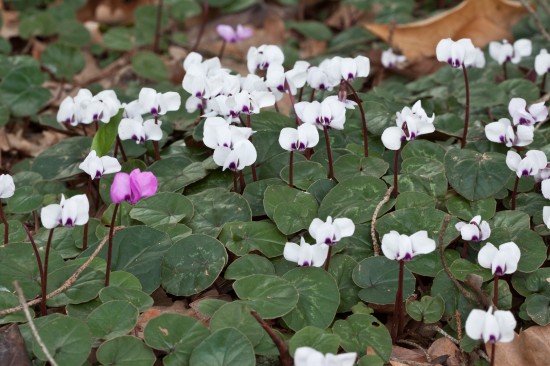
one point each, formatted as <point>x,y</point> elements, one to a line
<point>392,60</point>
<point>546,215</point>
<point>96,166</point>
<point>249,103</point>
<point>479,60</point>
<point>299,139</point>
<point>410,124</point>
<point>491,327</point>
<point>72,110</point>
<point>330,232</point>
<point>307,356</point>
<point>7,187</point>
<point>130,129</point>
<point>542,62</point>
<point>533,161</point>
<point>158,103</point>
<point>545,188</point>
<point>350,68</point>
<point>526,115</point>
<point>475,230</point>
<point>242,154</point>
<point>305,254</point>
<point>503,260</point>
<point>503,52</point>
<point>264,56</point>
<point>132,110</point>
<point>456,54</point>
<point>503,131</point>
<point>69,212</point>
<point>330,113</point>
<point>102,107</point>
<point>296,77</point>
<point>404,248</point>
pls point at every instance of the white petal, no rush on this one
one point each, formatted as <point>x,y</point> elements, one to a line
<point>220,155</point>
<point>291,252</point>
<point>506,323</point>
<point>315,226</point>
<point>538,111</point>
<point>307,356</point>
<point>170,101</point>
<point>392,137</point>
<point>470,232</point>
<point>545,188</point>
<point>421,244</point>
<point>485,230</point>
<point>152,130</point>
<point>7,186</point>
<point>320,253</point>
<point>390,244</point>
<point>525,135</point>
<point>486,255</point>
<point>147,99</point>
<point>513,160</point>
<point>475,324</point>
<point>443,49</point>
<point>288,137</point>
<point>546,215</point>
<point>50,216</point>
<point>130,129</point>
<point>346,226</point>
<point>110,165</point>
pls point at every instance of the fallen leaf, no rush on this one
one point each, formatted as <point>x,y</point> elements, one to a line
<point>110,11</point>
<point>481,20</point>
<point>529,347</point>
<point>442,347</point>
<point>12,347</point>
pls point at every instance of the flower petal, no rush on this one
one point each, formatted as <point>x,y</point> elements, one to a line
<point>50,216</point>
<point>120,189</point>
<point>392,137</point>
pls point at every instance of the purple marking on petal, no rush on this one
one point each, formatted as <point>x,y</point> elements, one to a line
<point>306,264</point>
<point>280,88</point>
<point>233,166</point>
<point>475,238</point>
<point>501,138</point>
<point>492,338</point>
<point>450,61</point>
<point>350,76</point>
<point>68,120</point>
<point>302,146</point>
<point>322,86</point>
<point>69,222</point>
<point>407,257</point>
<point>245,109</point>
<point>293,146</point>
<point>97,174</point>
<point>499,271</point>
<point>403,138</point>
<point>413,136</point>
<point>524,172</point>
<point>154,110</point>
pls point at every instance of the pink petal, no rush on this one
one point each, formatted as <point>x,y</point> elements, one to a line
<point>227,33</point>
<point>244,32</point>
<point>142,184</point>
<point>120,189</point>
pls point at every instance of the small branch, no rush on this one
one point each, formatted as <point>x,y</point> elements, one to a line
<point>411,363</point>
<point>67,283</point>
<point>34,331</point>
<point>375,244</point>
<point>417,346</point>
<point>536,19</point>
<point>443,333</point>
<point>545,6</point>
<point>460,288</point>
<point>284,355</point>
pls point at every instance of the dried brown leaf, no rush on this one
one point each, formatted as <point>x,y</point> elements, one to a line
<point>481,20</point>
<point>12,347</point>
<point>529,347</point>
<point>444,346</point>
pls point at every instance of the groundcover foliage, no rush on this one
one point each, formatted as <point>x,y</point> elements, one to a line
<point>184,256</point>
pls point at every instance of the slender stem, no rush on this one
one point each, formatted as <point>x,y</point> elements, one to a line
<point>222,49</point>
<point>241,181</point>
<point>235,189</point>
<point>493,351</point>
<point>465,249</point>
<point>284,356</point>
<point>397,325</point>
<point>44,281</point>
<point>495,291</point>
<point>290,170</point>
<point>156,145</point>
<point>96,124</point>
<point>203,24</point>
<point>312,95</point>
<point>363,119</point>
<point>6,225</point>
<point>292,101</point>
<point>85,235</point>
<point>157,27</point>
<point>122,152</point>
<point>467,113</point>
<point>276,105</point>
<point>514,193</point>
<point>543,85</point>
<point>38,260</point>
<point>395,173</point>
<point>504,71</point>
<point>36,221</point>
<point>327,263</point>
<point>110,247</point>
<point>253,167</point>
<point>329,154</point>
<point>300,94</point>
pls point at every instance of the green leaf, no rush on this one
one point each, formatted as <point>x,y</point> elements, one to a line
<point>316,338</point>
<point>311,29</point>
<point>341,268</point>
<point>225,347</point>
<point>207,307</point>
<point>461,268</point>
<point>145,18</point>
<point>84,289</point>
<point>134,296</point>
<point>254,194</point>
<point>214,208</point>
<point>291,209</point>
<point>24,200</point>
<point>430,264</point>
<point>476,176</point>
<point>72,32</point>
<point>148,65</point>
<point>63,60</point>
<point>162,208</point>
<point>360,331</point>
<point>428,309</point>
<point>355,198</point>
<point>318,301</point>
<point>466,210</point>
<point>119,39</point>
<point>531,245</point>
<point>538,308</point>
<point>305,173</point>
<point>351,165</point>
<point>125,351</point>
<point>67,339</point>
<point>519,88</point>
<point>414,200</point>
<point>378,278</point>
<point>37,24</point>
<point>250,264</point>
<point>106,135</point>
<point>176,172</point>
<point>192,265</point>
<point>423,149</point>
<point>176,334</point>
<point>271,296</point>
<point>9,300</point>
<point>4,115</point>
<point>243,237</point>
<point>62,159</point>
<point>112,319</point>
<point>22,92</point>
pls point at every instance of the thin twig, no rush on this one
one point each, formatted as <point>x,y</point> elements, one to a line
<point>536,19</point>
<point>375,244</point>
<point>460,288</point>
<point>67,283</point>
<point>411,363</point>
<point>443,333</point>
<point>34,332</point>
<point>483,355</point>
<point>284,354</point>
<point>458,325</point>
<point>417,346</point>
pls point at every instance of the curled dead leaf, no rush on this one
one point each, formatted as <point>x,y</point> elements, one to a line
<point>529,347</point>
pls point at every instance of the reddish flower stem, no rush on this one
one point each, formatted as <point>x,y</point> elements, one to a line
<point>254,175</point>
<point>39,263</point>
<point>203,25</point>
<point>514,193</point>
<point>6,225</point>
<point>397,326</point>
<point>284,356</point>
<point>157,27</point>
<point>293,102</point>
<point>327,263</point>
<point>241,181</point>
<point>467,115</point>
<point>395,173</point>
<point>290,170</point>
<point>543,85</point>
<point>156,144</point>
<point>329,154</point>
<point>110,247</point>
<point>44,282</point>
<point>235,189</point>
<point>363,119</point>
<point>493,351</point>
<point>504,71</point>
<point>495,292</point>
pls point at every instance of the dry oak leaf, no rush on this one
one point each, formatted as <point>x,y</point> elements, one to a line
<point>529,347</point>
<point>481,20</point>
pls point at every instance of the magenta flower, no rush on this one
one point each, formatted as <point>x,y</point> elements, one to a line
<point>133,187</point>
<point>231,35</point>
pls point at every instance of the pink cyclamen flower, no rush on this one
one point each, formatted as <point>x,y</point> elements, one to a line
<point>133,187</point>
<point>231,35</point>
